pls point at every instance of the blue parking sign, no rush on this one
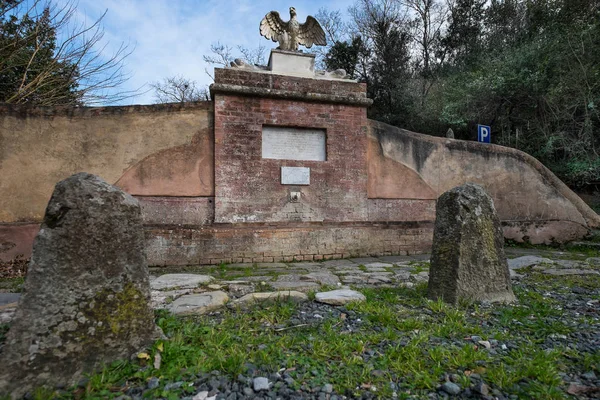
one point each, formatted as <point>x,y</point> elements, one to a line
<point>484,134</point>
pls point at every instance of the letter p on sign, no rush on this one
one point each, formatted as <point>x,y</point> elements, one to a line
<point>484,134</point>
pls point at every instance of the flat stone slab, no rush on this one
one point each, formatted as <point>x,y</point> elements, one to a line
<point>347,270</point>
<point>258,278</point>
<point>378,265</point>
<point>322,278</point>
<point>569,271</point>
<point>272,265</point>
<point>515,275</point>
<point>289,278</point>
<point>339,297</point>
<point>182,281</point>
<point>402,275</point>
<point>527,261</point>
<point>302,286</point>
<point>198,303</point>
<point>350,279</point>
<point>306,264</point>
<point>7,312</point>
<point>158,298</point>
<point>7,298</point>
<point>570,263</point>
<point>594,261</point>
<point>339,263</point>
<point>364,260</point>
<point>283,295</point>
<point>377,279</point>
<point>396,259</point>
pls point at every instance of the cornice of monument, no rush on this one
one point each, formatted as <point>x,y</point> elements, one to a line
<point>224,88</point>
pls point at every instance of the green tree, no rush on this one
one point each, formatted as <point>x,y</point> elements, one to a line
<point>346,56</point>
<point>462,40</point>
<point>37,68</point>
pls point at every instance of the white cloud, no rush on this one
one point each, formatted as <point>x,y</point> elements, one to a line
<point>170,37</point>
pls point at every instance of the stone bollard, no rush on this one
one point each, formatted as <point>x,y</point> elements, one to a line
<point>86,299</point>
<point>468,260</point>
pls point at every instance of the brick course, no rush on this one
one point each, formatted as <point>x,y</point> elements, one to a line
<point>249,242</point>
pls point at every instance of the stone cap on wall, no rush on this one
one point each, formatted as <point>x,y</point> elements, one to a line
<point>257,84</point>
<point>29,111</point>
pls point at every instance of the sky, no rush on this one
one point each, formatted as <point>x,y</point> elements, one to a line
<point>170,37</point>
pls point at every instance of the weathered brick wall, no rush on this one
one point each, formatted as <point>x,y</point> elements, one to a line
<point>177,211</point>
<point>226,243</point>
<point>248,187</point>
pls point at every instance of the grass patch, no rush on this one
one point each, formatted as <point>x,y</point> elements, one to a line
<point>395,341</point>
<point>14,285</point>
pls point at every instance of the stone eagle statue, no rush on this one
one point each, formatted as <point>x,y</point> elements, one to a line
<point>290,34</point>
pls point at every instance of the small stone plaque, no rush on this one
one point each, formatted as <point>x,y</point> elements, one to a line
<point>295,176</point>
<point>283,143</point>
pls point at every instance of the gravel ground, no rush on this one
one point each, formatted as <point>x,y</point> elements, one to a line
<point>578,312</point>
<point>574,306</point>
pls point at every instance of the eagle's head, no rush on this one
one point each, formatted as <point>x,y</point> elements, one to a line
<point>292,12</point>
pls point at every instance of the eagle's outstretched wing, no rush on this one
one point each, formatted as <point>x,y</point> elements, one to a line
<point>272,26</point>
<point>311,33</point>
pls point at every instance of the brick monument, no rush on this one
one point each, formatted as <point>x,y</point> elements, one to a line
<point>290,174</point>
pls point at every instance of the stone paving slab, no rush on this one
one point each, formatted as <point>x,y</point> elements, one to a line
<point>301,286</point>
<point>322,278</point>
<point>364,260</point>
<point>386,271</point>
<point>198,303</point>
<point>396,259</point>
<point>346,271</point>
<point>569,271</point>
<point>8,298</point>
<point>169,281</point>
<point>378,265</point>
<point>339,263</point>
<point>257,278</point>
<point>307,264</point>
<point>272,265</point>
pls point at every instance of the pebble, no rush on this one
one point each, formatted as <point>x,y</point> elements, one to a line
<point>200,396</point>
<point>174,385</point>
<point>327,388</point>
<point>591,376</point>
<point>261,383</point>
<point>481,388</point>
<point>451,388</point>
<point>153,383</point>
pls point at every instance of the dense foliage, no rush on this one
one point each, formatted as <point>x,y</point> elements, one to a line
<point>528,68</point>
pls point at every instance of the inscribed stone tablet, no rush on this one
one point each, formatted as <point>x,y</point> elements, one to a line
<point>295,176</point>
<point>293,144</point>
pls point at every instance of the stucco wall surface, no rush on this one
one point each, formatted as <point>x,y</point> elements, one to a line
<point>41,146</point>
<point>532,202</point>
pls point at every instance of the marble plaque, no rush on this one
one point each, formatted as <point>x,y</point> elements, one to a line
<point>295,176</point>
<point>284,143</point>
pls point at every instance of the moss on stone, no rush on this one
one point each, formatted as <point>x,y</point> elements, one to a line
<point>117,310</point>
<point>109,313</point>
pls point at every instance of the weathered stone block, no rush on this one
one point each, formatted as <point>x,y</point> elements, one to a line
<point>468,260</point>
<point>86,298</point>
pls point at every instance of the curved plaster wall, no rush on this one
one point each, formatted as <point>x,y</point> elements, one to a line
<point>41,146</point>
<point>533,203</point>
